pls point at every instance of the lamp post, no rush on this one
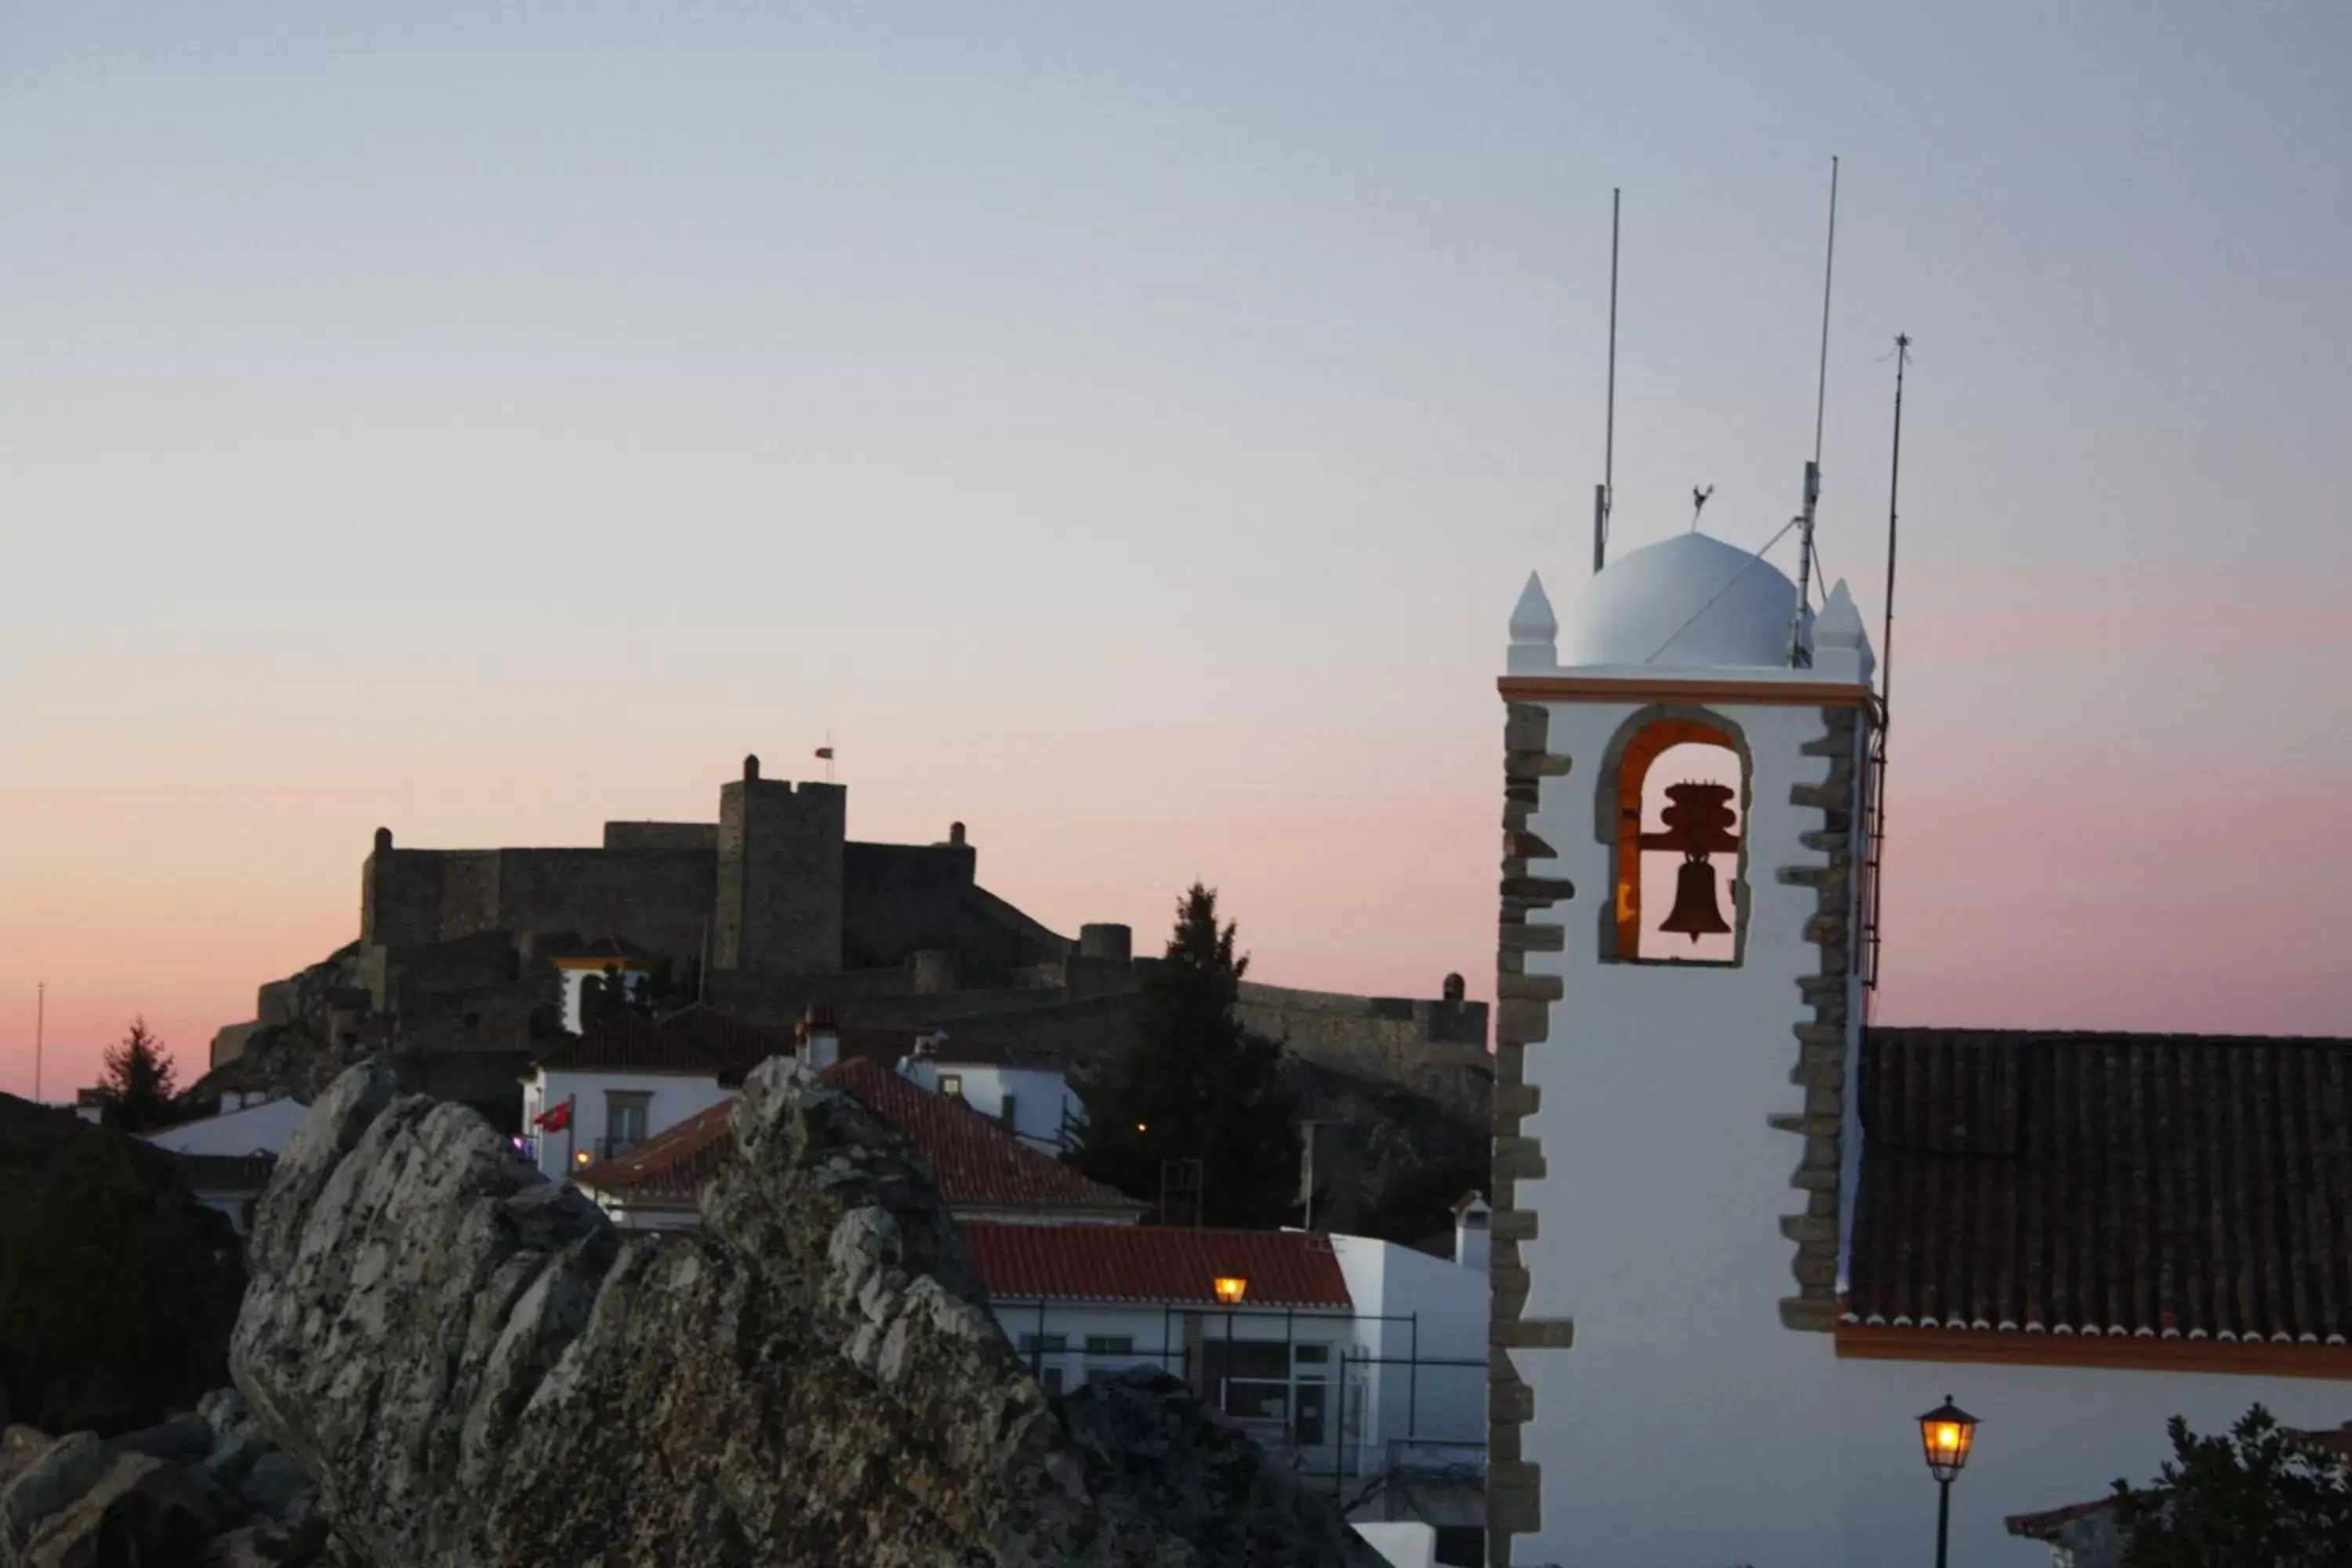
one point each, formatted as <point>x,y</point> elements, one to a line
<point>1229,1289</point>
<point>1947,1433</point>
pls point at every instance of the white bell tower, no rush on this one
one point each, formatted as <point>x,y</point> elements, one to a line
<point>1679,1016</point>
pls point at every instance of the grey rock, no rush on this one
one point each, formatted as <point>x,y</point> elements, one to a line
<point>480,1370</point>
<point>182,1440</point>
<point>50,1482</point>
<point>225,1409</point>
<point>232,1456</point>
<point>142,1512</point>
<point>275,1485</point>
<point>19,1446</point>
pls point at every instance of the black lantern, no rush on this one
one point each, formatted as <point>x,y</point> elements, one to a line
<point>1947,1433</point>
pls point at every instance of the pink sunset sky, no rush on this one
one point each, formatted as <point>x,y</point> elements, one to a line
<point>1126,432</point>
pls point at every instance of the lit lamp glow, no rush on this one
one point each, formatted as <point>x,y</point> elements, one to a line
<point>1947,1433</point>
<point>1231,1288</point>
<point>580,1158</point>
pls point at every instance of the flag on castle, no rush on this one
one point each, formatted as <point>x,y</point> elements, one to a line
<point>824,753</point>
<point>556,1119</point>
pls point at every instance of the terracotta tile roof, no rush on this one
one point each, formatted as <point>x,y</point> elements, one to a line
<point>1155,1263</point>
<point>2110,1185</point>
<point>669,1168</point>
<point>736,1043</point>
<point>977,1163</point>
<point>979,1166</point>
<point>697,1040</point>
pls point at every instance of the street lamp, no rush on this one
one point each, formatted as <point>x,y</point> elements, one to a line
<point>1229,1289</point>
<point>1947,1433</point>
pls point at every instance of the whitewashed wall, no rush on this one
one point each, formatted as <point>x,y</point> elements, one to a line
<point>1413,1306</point>
<point>675,1097</point>
<point>1686,1425</point>
<point>1041,1097</point>
<point>263,1129</point>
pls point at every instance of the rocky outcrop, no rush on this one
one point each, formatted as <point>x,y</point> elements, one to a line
<point>204,1489</point>
<point>480,1370</point>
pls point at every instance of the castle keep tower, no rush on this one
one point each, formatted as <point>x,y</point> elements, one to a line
<point>779,876</point>
<point>1680,1011</point>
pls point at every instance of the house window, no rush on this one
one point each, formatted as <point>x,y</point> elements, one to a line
<point>1051,1380</point>
<point>625,1120</point>
<point>1004,1114</point>
<point>1250,1379</point>
<point>1110,1344</point>
<point>1305,1355</point>
<point>1672,807</point>
<point>952,1085</point>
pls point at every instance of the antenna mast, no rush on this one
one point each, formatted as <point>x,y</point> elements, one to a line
<point>40,1024</point>
<point>1605,494</point>
<point>1800,656</point>
<point>1885,697</point>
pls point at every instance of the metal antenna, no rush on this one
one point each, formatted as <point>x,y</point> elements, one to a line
<point>1894,489</point>
<point>1698,503</point>
<point>1877,823</point>
<point>40,1025</point>
<point>1605,495</point>
<point>1800,656</point>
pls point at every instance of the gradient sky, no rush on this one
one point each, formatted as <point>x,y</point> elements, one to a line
<point>1127,429</point>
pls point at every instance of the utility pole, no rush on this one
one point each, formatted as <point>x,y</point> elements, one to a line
<point>40,1025</point>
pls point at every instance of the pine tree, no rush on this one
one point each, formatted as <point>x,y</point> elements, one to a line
<point>139,1081</point>
<point>2255,1496</point>
<point>1197,1084</point>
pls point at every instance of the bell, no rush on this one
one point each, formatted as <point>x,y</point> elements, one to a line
<point>1694,912</point>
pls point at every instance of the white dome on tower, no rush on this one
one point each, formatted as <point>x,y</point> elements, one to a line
<point>1688,601</point>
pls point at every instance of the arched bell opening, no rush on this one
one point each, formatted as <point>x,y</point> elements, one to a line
<point>1674,810</point>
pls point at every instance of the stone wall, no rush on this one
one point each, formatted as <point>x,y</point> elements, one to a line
<point>899,898</point>
<point>1825,1042</point>
<point>1514,1485</point>
<point>663,896</point>
<point>779,892</point>
<point>662,836</point>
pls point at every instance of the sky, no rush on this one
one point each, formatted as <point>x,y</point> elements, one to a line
<point>1125,430</point>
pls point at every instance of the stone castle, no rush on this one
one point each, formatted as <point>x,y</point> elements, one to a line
<point>772,908</point>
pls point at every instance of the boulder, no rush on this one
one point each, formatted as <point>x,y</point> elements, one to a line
<point>48,1483</point>
<point>142,1512</point>
<point>182,1440</point>
<point>225,1409</point>
<point>233,1458</point>
<point>480,1370</point>
<point>20,1446</point>
<point>275,1485</point>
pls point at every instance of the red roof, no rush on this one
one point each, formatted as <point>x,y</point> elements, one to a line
<point>977,1163</point>
<point>631,1043</point>
<point>1155,1264</point>
<point>697,1040</point>
<point>671,1166</point>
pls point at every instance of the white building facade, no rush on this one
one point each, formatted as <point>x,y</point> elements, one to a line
<point>260,1126</point>
<point>1679,1379</point>
<point>1035,1104</point>
<point>612,1110</point>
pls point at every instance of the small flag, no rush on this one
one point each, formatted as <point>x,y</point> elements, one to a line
<point>824,754</point>
<point>556,1120</point>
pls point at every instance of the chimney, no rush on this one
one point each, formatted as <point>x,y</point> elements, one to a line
<point>819,1040</point>
<point>1471,1240</point>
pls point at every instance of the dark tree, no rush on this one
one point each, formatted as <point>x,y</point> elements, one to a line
<point>139,1081</point>
<point>117,1288</point>
<point>1197,1084</point>
<point>603,997</point>
<point>2259,1495</point>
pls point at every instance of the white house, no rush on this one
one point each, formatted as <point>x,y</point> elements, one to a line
<point>600,1095</point>
<point>1741,1243</point>
<point>257,1125</point>
<point>1035,1102</point>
